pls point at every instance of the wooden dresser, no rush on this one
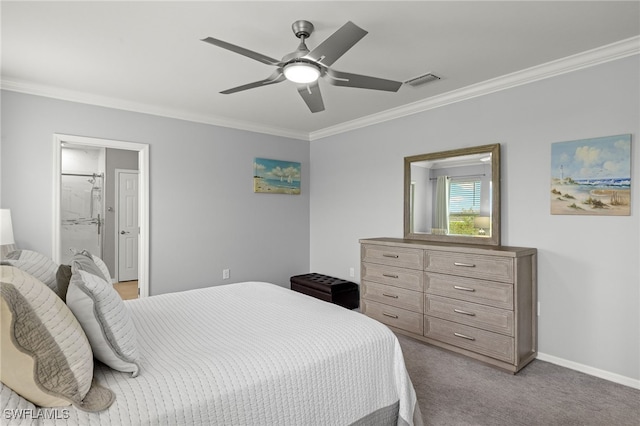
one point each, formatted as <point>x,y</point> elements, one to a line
<point>479,301</point>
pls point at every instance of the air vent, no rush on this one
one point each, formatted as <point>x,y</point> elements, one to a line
<point>422,79</point>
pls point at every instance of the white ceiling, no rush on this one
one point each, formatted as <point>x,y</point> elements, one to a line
<point>147,56</point>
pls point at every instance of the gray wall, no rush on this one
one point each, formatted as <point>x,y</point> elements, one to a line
<point>204,214</point>
<point>589,271</point>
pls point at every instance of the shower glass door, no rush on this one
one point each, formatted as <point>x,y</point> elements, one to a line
<point>81,214</point>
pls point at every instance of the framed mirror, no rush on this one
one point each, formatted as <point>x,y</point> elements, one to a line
<point>453,196</point>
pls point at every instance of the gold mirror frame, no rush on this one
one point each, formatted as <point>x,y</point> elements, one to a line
<point>494,238</point>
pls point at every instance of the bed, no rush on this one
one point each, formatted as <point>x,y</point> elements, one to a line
<point>249,353</point>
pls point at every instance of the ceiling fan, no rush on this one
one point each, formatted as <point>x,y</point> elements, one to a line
<point>305,67</point>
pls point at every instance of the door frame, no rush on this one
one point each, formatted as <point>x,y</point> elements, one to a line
<point>116,205</point>
<point>143,196</point>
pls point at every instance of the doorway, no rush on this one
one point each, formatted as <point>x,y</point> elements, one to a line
<point>141,204</point>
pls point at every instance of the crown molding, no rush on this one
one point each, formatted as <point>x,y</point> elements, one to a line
<point>109,102</point>
<point>589,58</point>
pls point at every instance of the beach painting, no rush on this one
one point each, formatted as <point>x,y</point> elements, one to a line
<point>591,176</point>
<point>276,176</point>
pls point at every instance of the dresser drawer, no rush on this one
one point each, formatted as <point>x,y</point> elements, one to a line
<point>480,316</point>
<point>410,279</point>
<point>489,293</point>
<point>394,296</point>
<point>393,256</point>
<point>470,265</point>
<point>483,342</point>
<point>395,317</point>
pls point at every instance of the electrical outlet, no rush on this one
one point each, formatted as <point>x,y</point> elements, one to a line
<point>352,272</point>
<point>225,274</point>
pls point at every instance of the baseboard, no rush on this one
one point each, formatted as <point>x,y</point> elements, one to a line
<point>607,375</point>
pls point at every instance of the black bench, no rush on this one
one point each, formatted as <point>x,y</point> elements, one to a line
<point>330,289</point>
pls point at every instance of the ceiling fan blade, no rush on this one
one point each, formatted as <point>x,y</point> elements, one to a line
<point>276,77</point>
<point>241,50</point>
<point>338,78</point>
<point>311,95</point>
<point>337,44</point>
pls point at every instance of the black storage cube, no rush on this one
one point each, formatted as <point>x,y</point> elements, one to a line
<point>330,289</point>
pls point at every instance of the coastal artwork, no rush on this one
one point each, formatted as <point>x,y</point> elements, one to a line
<point>276,176</point>
<point>591,176</point>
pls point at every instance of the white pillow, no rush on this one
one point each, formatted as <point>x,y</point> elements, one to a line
<point>105,319</point>
<point>40,266</point>
<point>103,268</point>
<point>44,353</point>
<point>99,263</point>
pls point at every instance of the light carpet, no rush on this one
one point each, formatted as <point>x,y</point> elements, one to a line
<point>455,390</point>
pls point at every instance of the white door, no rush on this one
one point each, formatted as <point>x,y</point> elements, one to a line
<point>127,226</point>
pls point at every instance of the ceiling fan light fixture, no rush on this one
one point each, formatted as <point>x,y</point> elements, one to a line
<point>301,72</point>
<point>305,67</point>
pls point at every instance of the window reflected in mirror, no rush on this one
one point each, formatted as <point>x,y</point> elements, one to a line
<point>450,195</point>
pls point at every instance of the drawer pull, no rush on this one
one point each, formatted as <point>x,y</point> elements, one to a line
<point>457,287</point>
<point>395,256</point>
<point>460,311</point>
<point>464,336</point>
<point>390,315</point>
<point>390,295</point>
<point>466,265</point>
<point>390,275</point>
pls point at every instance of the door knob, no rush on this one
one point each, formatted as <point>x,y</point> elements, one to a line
<point>123,232</point>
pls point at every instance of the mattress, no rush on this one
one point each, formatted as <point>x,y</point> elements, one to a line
<point>249,354</point>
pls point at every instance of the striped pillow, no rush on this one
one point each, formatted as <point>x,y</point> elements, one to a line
<point>105,320</point>
<point>40,266</point>
<point>83,261</point>
<point>44,354</point>
<point>99,263</point>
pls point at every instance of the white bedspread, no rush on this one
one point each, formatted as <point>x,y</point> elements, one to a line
<point>253,354</point>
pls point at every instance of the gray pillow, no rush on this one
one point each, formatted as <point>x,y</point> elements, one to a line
<point>63,276</point>
<point>83,260</point>
<point>46,357</point>
<point>100,264</point>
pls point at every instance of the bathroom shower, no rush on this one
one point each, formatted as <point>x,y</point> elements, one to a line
<point>96,193</point>
<point>82,212</point>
